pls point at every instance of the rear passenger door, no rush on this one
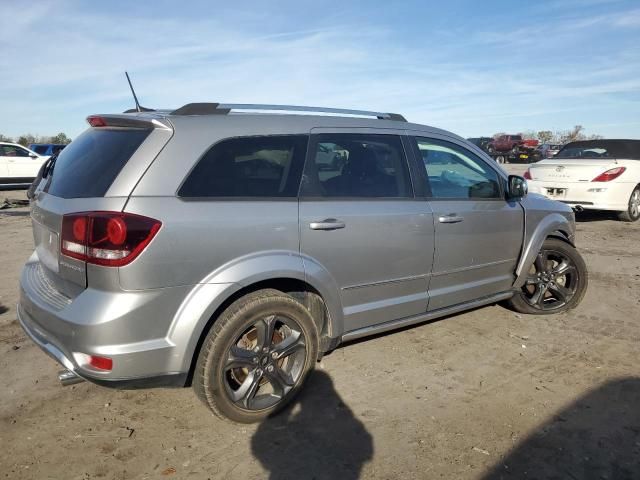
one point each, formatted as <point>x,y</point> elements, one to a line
<point>478,233</point>
<point>360,221</point>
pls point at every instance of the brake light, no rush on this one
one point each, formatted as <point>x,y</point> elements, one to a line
<point>111,239</point>
<point>609,175</point>
<point>95,121</point>
<point>527,174</point>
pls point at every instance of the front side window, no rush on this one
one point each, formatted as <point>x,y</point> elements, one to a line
<point>455,172</point>
<point>13,151</point>
<point>357,165</point>
<point>268,166</point>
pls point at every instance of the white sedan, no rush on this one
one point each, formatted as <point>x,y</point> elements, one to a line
<point>19,166</point>
<point>592,175</point>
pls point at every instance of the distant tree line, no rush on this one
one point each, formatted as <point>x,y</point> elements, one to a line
<point>559,136</point>
<point>27,139</point>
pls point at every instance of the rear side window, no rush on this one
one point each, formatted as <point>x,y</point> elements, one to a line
<point>88,166</point>
<point>357,165</point>
<point>269,166</point>
<point>40,149</point>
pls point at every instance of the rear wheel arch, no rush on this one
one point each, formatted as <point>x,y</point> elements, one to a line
<point>301,291</point>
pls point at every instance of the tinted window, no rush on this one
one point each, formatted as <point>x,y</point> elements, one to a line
<point>249,167</point>
<point>353,165</point>
<point>455,172</point>
<point>41,149</point>
<point>88,166</point>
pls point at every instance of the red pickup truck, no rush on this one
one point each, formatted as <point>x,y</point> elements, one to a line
<point>511,143</point>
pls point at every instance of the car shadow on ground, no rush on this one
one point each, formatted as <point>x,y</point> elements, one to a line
<point>316,437</point>
<point>596,437</point>
<point>595,216</point>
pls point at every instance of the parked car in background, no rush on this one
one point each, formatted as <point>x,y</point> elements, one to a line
<point>548,150</point>
<point>482,142</point>
<point>592,175</point>
<point>230,251</point>
<point>46,149</point>
<point>19,165</point>
<point>511,143</point>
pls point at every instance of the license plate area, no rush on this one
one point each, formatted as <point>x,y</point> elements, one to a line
<point>47,246</point>
<point>556,192</point>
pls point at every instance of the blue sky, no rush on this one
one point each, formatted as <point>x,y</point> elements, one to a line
<point>472,67</point>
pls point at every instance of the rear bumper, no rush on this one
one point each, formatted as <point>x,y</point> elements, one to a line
<point>588,195</point>
<point>55,352</point>
<point>128,327</point>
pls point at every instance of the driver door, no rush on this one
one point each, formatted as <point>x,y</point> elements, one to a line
<point>478,233</point>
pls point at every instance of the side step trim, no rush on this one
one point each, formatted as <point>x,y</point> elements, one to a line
<point>442,312</point>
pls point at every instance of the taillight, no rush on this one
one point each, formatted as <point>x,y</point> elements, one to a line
<point>609,175</point>
<point>96,121</point>
<point>527,174</point>
<point>111,239</point>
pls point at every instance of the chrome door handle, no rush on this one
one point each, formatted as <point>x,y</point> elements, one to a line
<point>451,218</point>
<point>327,224</point>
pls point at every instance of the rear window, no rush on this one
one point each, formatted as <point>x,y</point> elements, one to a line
<point>88,166</point>
<point>269,166</point>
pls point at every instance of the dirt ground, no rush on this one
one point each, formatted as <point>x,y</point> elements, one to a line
<point>487,394</point>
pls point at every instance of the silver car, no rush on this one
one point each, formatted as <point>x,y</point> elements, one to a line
<point>216,246</point>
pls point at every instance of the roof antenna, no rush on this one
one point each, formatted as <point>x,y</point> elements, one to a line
<point>138,107</point>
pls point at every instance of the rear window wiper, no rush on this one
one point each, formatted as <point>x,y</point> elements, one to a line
<point>49,166</point>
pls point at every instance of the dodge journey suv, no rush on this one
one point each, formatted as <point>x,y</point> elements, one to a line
<point>228,247</point>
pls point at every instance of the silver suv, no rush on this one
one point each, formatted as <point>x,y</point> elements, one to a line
<point>227,249</point>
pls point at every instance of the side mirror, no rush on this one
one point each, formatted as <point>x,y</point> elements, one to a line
<point>33,155</point>
<point>517,187</point>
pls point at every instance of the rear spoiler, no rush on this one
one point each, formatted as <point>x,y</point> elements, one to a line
<point>127,121</point>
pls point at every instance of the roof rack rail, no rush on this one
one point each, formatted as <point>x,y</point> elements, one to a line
<point>225,108</point>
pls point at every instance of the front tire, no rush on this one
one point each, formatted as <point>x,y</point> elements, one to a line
<point>632,213</point>
<point>256,356</point>
<point>556,281</point>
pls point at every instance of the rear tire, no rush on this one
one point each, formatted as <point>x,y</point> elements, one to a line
<point>256,356</point>
<point>632,213</point>
<point>556,282</point>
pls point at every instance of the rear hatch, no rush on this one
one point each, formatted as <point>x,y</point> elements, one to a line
<point>95,173</point>
<point>568,170</point>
